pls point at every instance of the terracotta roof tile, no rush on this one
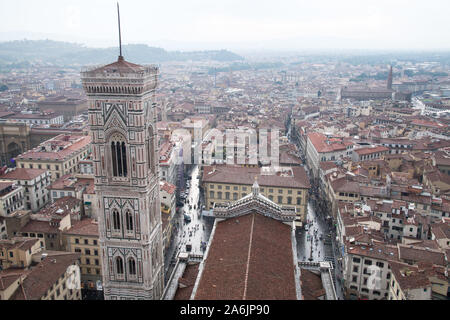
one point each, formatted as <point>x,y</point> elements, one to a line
<point>250,258</point>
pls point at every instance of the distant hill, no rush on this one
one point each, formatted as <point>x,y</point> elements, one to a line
<point>70,54</point>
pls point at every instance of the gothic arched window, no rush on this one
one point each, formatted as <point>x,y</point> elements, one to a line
<point>118,156</point>
<point>116,219</point>
<point>132,266</point>
<point>119,265</point>
<point>129,220</point>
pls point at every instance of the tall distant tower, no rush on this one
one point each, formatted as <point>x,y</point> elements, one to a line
<point>389,82</point>
<point>122,122</point>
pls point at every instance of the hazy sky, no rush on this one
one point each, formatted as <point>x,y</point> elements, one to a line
<point>234,24</point>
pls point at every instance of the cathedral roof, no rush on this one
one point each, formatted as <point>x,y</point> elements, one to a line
<point>250,257</point>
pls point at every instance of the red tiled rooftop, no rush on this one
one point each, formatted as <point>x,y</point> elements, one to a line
<point>186,283</point>
<point>319,142</point>
<point>250,258</point>
<point>311,284</point>
<point>84,227</point>
<point>246,176</point>
<point>22,174</point>
<point>365,151</point>
<point>44,275</point>
<point>37,153</point>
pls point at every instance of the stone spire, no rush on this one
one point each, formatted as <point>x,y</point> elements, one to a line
<point>389,82</point>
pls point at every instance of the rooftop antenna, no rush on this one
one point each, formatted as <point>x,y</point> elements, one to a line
<point>120,37</point>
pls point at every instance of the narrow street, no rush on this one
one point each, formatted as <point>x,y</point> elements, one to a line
<point>313,241</point>
<point>316,240</point>
<point>194,232</point>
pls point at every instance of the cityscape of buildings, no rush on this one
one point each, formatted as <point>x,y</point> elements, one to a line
<point>131,182</point>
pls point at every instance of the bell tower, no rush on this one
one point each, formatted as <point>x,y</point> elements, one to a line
<point>122,123</point>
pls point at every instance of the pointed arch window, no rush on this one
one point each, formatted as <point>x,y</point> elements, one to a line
<point>129,220</point>
<point>132,266</point>
<point>116,219</point>
<point>119,265</point>
<point>119,156</point>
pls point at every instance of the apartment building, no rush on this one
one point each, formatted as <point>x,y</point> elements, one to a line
<point>369,153</point>
<point>408,283</point>
<point>168,209</point>
<point>3,231</point>
<point>320,147</point>
<point>83,238</point>
<point>34,183</point>
<point>53,278</point>
<point>38,118</point>
<point>287,186</point>
<point>69,185</point>
<point>17,252</point>
<point>59,155</point>
<point>366,260</point>
<point>167,162</point>
<point>11,198</point>
<point>48,225</point>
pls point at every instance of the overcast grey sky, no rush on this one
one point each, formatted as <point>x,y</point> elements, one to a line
<point>234,24</point>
